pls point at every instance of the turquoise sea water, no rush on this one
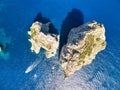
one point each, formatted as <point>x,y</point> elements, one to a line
<point>17,16</point>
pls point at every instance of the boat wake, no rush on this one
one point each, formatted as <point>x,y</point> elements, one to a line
<point>33,65</point>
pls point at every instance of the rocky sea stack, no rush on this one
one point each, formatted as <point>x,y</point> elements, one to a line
<point>41,38</point>
<point>83,43</point>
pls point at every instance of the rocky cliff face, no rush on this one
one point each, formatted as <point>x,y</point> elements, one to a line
<point>41,38</point>
<point>83,43</point>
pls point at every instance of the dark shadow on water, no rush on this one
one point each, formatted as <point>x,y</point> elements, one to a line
<point>74,18</point>
<point>45,20</point>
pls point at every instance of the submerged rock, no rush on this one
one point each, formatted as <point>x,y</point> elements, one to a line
<point>83,43</point>
<point>0,48</point>
<point>4,43</point>
<point>41,38</point>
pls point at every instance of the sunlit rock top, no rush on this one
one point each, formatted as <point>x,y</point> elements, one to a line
<point>41,38</point>
<point>83,43</point>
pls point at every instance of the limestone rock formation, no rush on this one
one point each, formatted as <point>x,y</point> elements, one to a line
<point>83,43</point>
<point>41,38</point>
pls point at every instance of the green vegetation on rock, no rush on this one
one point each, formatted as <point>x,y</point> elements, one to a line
<point>33,32</point>
<point>103,43</point>
<point>89,42</point>
<point>97,39</point>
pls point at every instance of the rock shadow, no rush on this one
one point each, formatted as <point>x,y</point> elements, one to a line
<point>45,20</point>
<point>74,18</point>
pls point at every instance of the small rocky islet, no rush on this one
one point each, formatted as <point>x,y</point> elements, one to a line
<point>83,44</point>
<point>41,38</point>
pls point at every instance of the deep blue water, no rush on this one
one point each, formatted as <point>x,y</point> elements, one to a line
<point>16,16</point>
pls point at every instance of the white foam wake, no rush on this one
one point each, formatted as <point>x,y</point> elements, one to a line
<point>33,65</point>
